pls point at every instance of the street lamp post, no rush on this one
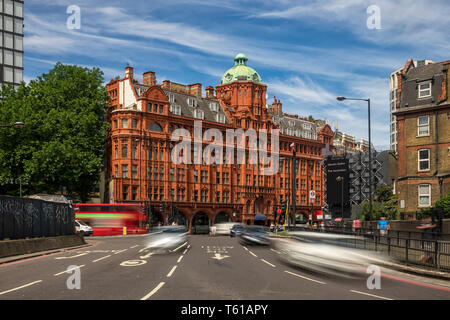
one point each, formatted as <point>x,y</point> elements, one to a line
<point>341,180</point>
<point>294,168</point>
<point>370,155</point>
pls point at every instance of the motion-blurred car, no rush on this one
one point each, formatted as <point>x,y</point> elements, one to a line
<point>167,239</point>
<point>224,228</point>
<point>236,230</point>
<point>82,228</point>
<point>255,235</point>
<point>325,258</point>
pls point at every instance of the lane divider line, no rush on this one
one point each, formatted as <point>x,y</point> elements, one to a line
<point>309,279</point>
<point>175,250</point>
<point>246,248</point>
<point>102,258</point>
<point>18,288</point>
<point>171,272</point>
<point>185,251</point>
<point>179,259</point>
<point>253,254</point>
<point>159,286</point>
<point>370,295</point>
<point>78,255</point>
<point>268,263</point>
<point>121,251</point>
<point>134,246</point>
<point>275,251</point>
<point>69,270</point>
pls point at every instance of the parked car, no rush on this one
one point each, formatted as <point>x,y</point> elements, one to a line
<point>258,235</point>
<point>236,230</point>
<point>82,228</point>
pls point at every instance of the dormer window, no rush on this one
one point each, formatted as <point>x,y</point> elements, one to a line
<point>175,109</point>
<point>425,89</point>
<point>192,102</point>
<point>220,118</point>
<point>199,114</point>
<point>214,106</point>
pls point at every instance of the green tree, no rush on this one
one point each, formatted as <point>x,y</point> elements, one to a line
<point>62,143</point>
<point>444,203</point>
<point>385,205</point>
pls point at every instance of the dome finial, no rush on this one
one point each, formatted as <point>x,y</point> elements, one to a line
<point>240,59</point>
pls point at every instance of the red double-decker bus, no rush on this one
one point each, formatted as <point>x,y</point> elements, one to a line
<point>112,219</point>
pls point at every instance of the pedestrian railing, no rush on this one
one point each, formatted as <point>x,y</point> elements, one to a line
<point>411,248</point>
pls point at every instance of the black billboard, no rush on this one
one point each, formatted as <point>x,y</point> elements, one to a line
<point>337,171</point>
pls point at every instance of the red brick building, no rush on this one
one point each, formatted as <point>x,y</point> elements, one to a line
<point>423,121</point>
<point>143,117</point>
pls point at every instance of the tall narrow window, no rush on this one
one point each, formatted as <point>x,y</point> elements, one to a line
<point>124,123</point>
<point>423,126</point>
<point>424,159</point>
<point>134,172</point>
<point>424,195</point>
<point>124,150</point>
<point>124,171</point>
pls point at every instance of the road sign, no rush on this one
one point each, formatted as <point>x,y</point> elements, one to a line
<point>312,194</point>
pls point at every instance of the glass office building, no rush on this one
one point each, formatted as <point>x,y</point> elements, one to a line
<point>11,41</point>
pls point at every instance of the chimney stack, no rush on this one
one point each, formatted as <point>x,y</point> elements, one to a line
<point>209,92</point>
<point>195,89</point>
<point>149,78</point>
<point>129,72</point>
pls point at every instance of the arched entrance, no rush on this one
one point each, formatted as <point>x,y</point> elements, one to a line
<point>156,218</point>
<point>259,206</point>
<point>222,217</point>
<point>178,218</point>
<point>200,223</point>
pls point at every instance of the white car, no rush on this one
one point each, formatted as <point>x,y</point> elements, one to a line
<point>82,228</point>
<point>224,228</point>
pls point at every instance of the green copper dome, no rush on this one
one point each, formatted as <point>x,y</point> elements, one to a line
<point>240,71</point>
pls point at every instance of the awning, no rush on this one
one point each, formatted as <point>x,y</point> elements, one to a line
<point>260,217</point>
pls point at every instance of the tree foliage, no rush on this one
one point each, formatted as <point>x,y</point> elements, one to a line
<point>385,205</point>
<point>62,143</point>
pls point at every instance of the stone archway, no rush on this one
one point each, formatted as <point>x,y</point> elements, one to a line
<point>200,223</point>
<point>222,217</point>
<point>179,218</point>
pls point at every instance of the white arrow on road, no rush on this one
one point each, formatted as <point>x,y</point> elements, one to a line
<point>218,256</point>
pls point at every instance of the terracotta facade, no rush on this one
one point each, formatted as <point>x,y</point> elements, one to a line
<point>143,118</point>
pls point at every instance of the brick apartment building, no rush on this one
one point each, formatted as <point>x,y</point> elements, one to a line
<point>423,118</point>
<point>143,117</point>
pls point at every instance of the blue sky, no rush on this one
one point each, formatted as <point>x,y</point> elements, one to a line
<point>307,52</point>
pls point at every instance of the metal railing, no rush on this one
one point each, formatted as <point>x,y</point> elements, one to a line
<point>411,248</point>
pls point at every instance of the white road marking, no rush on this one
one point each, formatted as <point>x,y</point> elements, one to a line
<point>297,275</point>
<point>121,251</point>
<point>78,255</point>
<point>133,263</point>
<point>253,254</point>
<point>371,295</point>
<point>69,270</point>
<point>188,246</point>
<point>102,258</point>
<point>21,287</point>
<point>245,248</point>
<point>275,251</point>
<point>159,286</point>
<point>179,259</point>
<point>185,251</point>
<point>171,272</point>
<point>134,246</point>
<point>268,263</point>
<point>146,256</point>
